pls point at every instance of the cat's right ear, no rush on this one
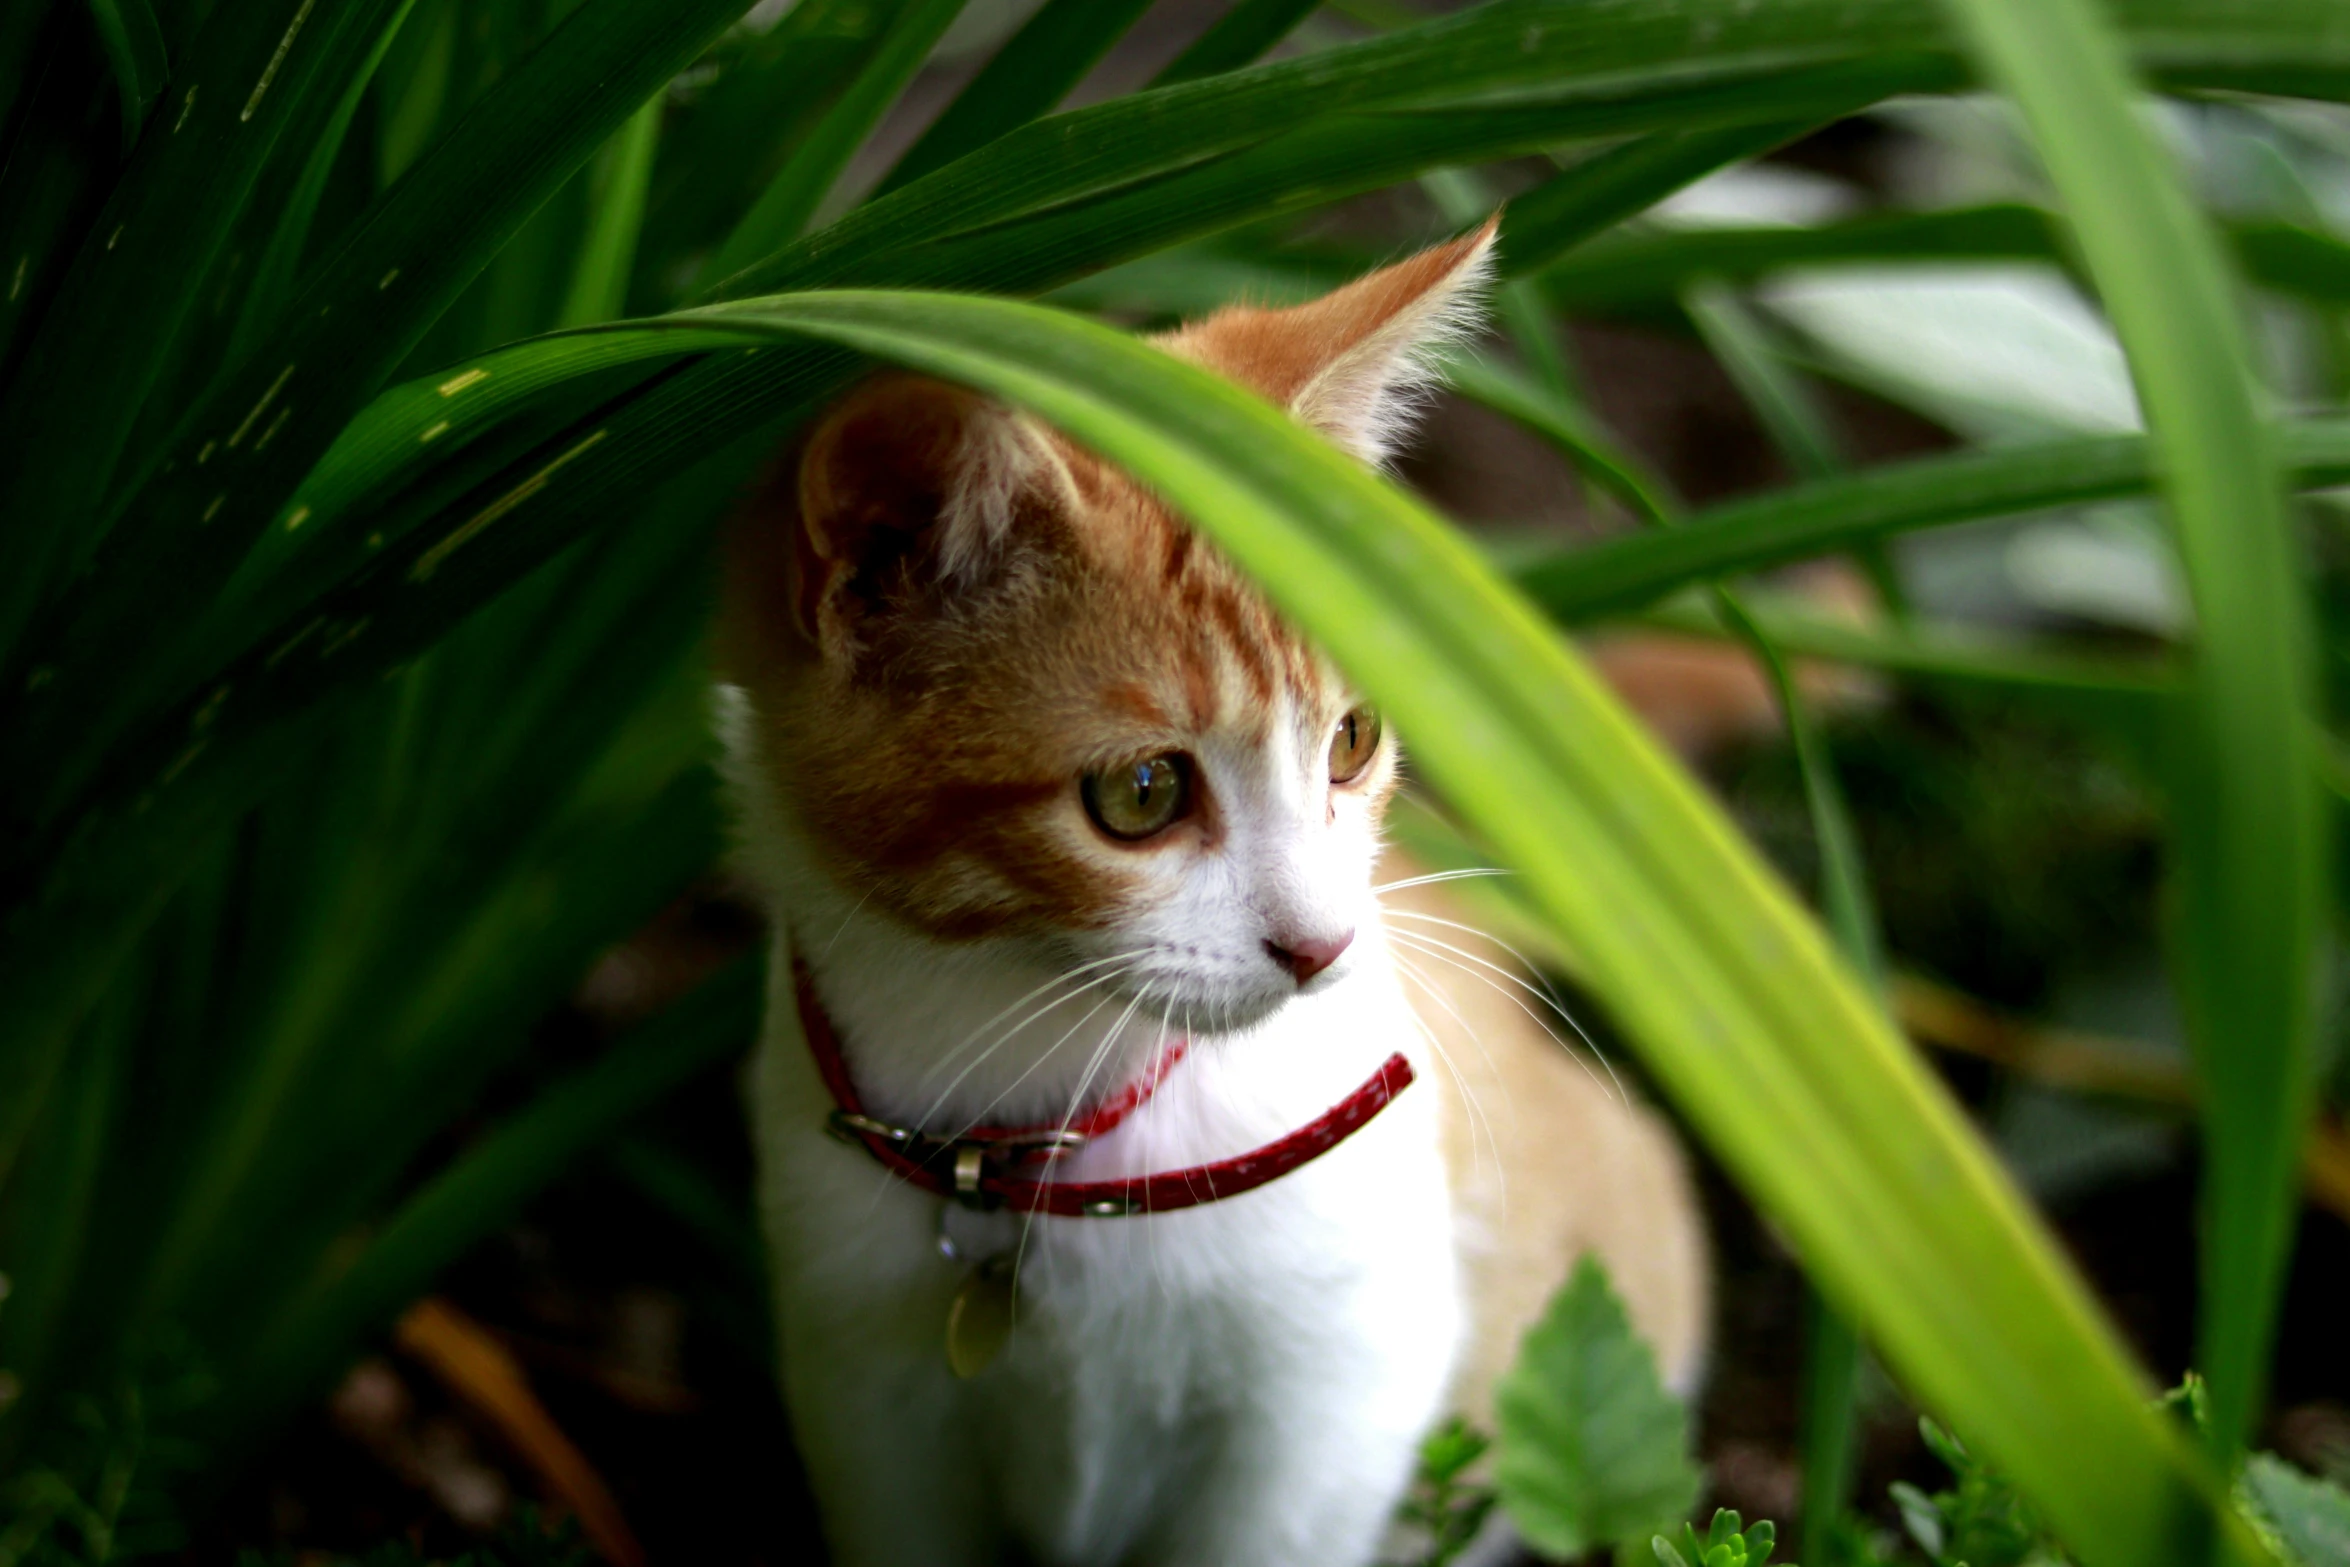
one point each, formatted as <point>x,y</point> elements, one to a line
<point>908,492</point>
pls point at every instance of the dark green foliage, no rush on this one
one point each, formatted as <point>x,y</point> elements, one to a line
<point>101,1487</point>
<point>1977,1521</point>
<point>1445,1505</point>
<point>525,1542</point>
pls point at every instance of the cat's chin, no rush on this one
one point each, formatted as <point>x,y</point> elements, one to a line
<point>1220,1016</point>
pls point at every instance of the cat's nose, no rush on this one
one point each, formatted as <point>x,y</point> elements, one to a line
<point>1307,956</point>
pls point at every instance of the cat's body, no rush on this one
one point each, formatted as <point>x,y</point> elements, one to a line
<point>1036,787</point>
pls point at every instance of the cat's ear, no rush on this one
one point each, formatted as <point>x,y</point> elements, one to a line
<point>1357,363</point>
<point>909,492</point>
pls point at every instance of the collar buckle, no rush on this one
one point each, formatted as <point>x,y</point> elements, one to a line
<point>1045,1143</point>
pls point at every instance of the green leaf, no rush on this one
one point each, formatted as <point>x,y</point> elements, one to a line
<point>1635,270</point>
<point>276,276</point>
<point>2248,837</point>
<point>1238,37</point>
<point>134,48</point>
<point>1593,1450</point>
<point>794,195</point>
<point>623,171</point>
<point>1615,574</point>
<point>1028,76</point>
<point>2311,1516</point>
<point>1608,187</point>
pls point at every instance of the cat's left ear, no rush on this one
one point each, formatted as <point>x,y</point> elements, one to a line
<point>1355,364</point>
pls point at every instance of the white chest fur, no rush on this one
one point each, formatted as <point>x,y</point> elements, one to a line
<point>1243,1382</point>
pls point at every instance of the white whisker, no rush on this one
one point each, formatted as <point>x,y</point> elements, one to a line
<point>1478,1119</point>
<point>1005,1035</point>
<point>1541,986</point>
<point>1031,1069</point>
<point>1057,980</point>
<point>1471,964</point>
<point>1433,877</point>
<point>843,927</point>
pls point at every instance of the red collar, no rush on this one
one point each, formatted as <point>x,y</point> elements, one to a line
<point>973,1168</point>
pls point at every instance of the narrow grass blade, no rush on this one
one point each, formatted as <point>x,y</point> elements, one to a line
<point>1943,653</point>
<point>134,47</point>
<point>1789,412</point>
<point>1831,1390</point>
<point>599,286</point>
<point>1028,77</point>
<point>1566,427</point>
<point>276,275</point>
<point>1608,187</point>
<point>1617,574</point>
<point>1238,38</point>
<point>1635,271</point>
<point>2249,832</point>
<point>792,198</point>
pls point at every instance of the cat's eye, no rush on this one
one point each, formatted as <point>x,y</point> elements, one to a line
<point>1137,799</point>
<point>1354,743</point>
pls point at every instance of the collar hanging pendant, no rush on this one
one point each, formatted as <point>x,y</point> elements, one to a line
<point>981,1316</point>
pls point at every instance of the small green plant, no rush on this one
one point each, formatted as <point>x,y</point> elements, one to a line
<point>1981,1520</point>
<point>1594,1449</point>
<point>1727,1542</point>
<point>1447,1507</point>
<point>1978,1521</point>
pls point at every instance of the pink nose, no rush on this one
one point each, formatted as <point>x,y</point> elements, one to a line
<point>1306,957</point>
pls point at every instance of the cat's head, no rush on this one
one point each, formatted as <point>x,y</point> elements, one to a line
<point>1001,692</point>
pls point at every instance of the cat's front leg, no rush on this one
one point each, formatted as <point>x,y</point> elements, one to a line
<point>884,1439</point>
<point>1321,1440</point>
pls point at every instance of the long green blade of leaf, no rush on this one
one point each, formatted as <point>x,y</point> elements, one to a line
<point>2248,833</point>
<point>1608,187</point>
<point>599,285</point>
<point>134,48</point>
<point>1028,77</point>
<point>275,276</point>
<point>1622,573</point>
<point>1636,270</point>
<point>791,199</point>
<point>1238,37</point>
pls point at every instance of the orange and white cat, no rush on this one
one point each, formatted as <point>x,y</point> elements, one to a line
<point>1051,809</point>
